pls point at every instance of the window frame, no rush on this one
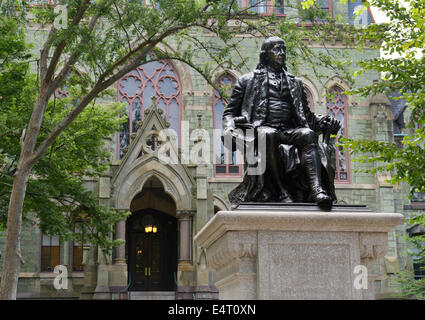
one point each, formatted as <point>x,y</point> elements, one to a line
<point>329,8</point>
<point>337,179</point>
<point>140,95</point>
<point>418,270</point>
<point>270,8</point>
<point>41,252</point>
<point>310,98</point>
<point>82,245</point>
<point>227,174</point>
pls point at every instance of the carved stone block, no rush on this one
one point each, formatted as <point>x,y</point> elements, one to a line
<point>288,253</point>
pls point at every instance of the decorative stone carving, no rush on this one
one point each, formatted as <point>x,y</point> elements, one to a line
<point>230,249</point>
<point>372,246</point>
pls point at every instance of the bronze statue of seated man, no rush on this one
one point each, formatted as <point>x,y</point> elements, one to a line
<point>274,104</point>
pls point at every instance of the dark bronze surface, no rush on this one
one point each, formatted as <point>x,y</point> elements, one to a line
<point>299,167</point>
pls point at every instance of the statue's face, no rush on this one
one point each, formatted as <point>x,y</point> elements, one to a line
<point>277,54</point>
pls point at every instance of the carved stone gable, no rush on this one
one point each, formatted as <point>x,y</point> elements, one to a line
<point>153,151</point>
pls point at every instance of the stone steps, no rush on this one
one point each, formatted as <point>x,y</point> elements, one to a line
<point>151,295</point>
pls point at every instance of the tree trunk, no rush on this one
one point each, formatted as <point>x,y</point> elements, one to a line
<point>12,254</point>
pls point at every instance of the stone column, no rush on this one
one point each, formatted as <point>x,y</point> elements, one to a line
<point>201,196</point>
<point>120,251</point>
<point>185,236</point>
<point>102,291</point>
<point>292,252</point>
<point>118,271</point>
<point>67,262</point>
<point>185,268</point>
<point>203,289</point>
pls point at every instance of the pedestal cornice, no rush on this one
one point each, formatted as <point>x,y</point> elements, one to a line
<point>285,220</point>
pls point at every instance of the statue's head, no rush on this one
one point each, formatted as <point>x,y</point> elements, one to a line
<point>273,51</point>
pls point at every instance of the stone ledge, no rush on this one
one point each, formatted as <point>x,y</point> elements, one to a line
<point>225,221</point>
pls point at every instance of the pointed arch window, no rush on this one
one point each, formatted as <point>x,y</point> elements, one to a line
<point>225,163</point>
<point>264,7</point>
<point>136,89</point>
<point>337,108</point>
<point>309,98</point>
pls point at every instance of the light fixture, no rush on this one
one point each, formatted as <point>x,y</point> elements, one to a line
<point>149,228</point>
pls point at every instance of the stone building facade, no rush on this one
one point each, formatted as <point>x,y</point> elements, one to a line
<point>170,203</point>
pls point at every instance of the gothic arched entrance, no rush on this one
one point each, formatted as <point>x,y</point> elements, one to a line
<point>152,251</point>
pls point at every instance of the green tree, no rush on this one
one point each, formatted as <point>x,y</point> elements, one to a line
<point>55,190</point>
<point>403,68</point>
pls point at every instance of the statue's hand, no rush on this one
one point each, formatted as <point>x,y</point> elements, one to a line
<point>245,125</point>
<point>228,131</point>
<point>231,131</point>
<point>328,123</point>
<point>242,123</point>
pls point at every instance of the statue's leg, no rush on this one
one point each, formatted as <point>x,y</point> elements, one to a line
<point>306,141</point>
<point>274,163</point>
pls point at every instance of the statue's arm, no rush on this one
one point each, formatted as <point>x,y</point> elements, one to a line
<point>318,123</point>
<point>312,119</point>
<point>234,106</point>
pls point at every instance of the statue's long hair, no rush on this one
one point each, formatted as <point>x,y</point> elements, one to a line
<point>264,53</point>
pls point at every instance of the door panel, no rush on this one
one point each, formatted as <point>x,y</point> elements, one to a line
<point>156,263</point>
<point>140,254</point>
<point>152,254</point>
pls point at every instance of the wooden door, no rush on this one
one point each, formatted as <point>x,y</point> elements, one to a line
<point>152,252</point>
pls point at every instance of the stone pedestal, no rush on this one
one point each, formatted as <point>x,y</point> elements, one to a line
<point>276,251</point>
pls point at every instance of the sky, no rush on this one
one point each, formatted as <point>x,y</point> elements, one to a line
<point>378,15</point>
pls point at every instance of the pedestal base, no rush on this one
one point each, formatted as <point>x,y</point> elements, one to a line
<point>276,252</point>
<point>118,275</point>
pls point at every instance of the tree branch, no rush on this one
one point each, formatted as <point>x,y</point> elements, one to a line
<point>61,46</point>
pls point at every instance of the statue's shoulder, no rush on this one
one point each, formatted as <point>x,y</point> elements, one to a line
<point>297,80</point>
<point>246,78</point>
<point>291,76</point>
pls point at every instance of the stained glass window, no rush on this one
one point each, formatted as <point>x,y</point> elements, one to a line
<point>258,6</point>
<point>309,98</point>
<point>337,108</point>
<point>41,2</point>
<point>265,7</point>
<point>136,89</point>
<point>223,166</point>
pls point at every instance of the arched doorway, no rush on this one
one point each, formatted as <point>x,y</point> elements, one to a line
<point>151,240</point>
<point>152,251</point>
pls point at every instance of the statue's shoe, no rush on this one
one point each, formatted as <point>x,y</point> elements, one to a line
<point>285,198</point>
<point>322,199</point>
